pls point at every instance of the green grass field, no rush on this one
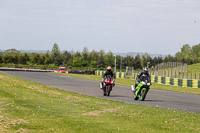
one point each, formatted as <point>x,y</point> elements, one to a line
<point>129,82</point>
<point>31,107</point>
<point>195,68</point>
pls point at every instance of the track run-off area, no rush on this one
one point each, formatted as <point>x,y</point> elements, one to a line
<point>157,98</point>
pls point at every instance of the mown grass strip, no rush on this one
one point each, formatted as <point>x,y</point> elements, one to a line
<point>31,107</point>
<point>194,68</point>
<point>129,82</point>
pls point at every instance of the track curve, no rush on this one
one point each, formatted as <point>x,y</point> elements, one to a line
<point>156,98</point>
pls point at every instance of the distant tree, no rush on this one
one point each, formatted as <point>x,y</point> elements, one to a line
<point>96,59</point>
<point>196,53</point>
<point>16,58</point>
<point>33,58</point>
<point>11,56</point>
<point>186,55</point>
<point>1,57</point>
<point>145,59</point>
<point>109,59</point>
<point>84,59</point>
<point>160,60</point>
<point>85,53</point>
<point>137,63</point>
<point>77,54</point>
<point>47,60</point>
<point>100,62</point>
<point>128,61</point>
<point>119,63</point>
<point>55,55</point>
<point>67,58</point>
<point>8,58</point>
<point>77,59</point>
<point>186,51</point>
<point>23,58</point>
<point>169,58</point>
<point>93,56</point>
<point>178,57</point>
<point>41,59</point>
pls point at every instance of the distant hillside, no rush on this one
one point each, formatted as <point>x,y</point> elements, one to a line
<point>33,51</point>
<point>29,51</point>
<point>140,53</point>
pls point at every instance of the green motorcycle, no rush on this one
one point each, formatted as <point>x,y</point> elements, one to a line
<point>142,89</point>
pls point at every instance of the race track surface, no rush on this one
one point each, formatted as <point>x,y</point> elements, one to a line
<point>157,98</point>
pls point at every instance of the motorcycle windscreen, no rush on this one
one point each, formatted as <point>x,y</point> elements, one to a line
<point>109,78</point>
<point>145,79</point>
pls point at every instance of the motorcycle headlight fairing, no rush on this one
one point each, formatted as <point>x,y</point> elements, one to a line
<point>143,83</point>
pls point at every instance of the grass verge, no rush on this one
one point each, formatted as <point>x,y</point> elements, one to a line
<point>31,107</point>
<point>194,68</point>
<point>129,82</point>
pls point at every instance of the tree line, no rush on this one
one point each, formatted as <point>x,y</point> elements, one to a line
<point>188,54</point>
<point>96,59</point>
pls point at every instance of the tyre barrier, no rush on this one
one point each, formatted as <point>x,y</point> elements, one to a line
<point>81,72</point>
<point>193,83</point>
<point>25,70</point>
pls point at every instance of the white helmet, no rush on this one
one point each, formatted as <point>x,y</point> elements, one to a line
<point>145,70</point>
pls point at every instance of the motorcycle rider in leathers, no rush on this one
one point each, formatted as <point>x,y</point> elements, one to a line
<point>145,72</point>
<point>108,72</point>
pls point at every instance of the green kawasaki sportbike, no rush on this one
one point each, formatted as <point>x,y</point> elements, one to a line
<point>142,89</point>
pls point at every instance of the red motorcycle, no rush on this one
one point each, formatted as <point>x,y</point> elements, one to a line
<point>108,84</point>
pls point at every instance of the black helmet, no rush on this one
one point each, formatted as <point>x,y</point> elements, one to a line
<point>145,70</point>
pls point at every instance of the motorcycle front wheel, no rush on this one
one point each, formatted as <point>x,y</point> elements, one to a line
<point>143,94</point>
<point>135,97</point>
<point>108,90</point>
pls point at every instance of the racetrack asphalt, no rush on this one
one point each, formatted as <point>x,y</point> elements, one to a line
<point>157,98</point>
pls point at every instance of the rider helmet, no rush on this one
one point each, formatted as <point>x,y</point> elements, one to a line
<point>109,69</point>
<point>145,70</point>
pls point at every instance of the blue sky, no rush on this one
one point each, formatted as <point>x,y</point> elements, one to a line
<point>152,26</point>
